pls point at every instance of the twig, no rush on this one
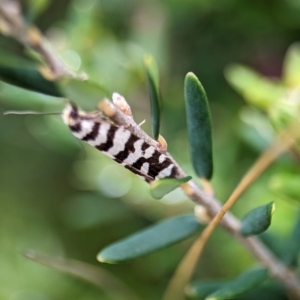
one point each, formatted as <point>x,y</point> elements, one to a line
<point>186,267</point>
<point>213,206</point>
<point>12,24</point>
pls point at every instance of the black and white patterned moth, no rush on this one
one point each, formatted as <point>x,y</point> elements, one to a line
<point>119,144</point>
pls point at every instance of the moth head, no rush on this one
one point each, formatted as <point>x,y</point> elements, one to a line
<point>71,115</point>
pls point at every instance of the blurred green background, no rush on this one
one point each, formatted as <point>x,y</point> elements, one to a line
<point>66,199</point>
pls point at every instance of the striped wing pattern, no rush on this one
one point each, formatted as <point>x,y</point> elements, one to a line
<point>119,144</point>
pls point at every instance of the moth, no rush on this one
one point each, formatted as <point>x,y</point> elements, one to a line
<point>120,144</point>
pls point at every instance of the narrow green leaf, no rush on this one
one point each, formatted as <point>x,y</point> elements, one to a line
<point>256,89</point>
<point>291,66</point>
<point>95,275</point>
<point>36,8</point>
<point>152,79</point>
<point>151,239</point>
<point>270,290</point>
<point>160,188</point>
<point>245,282</point>
<point>199,290</point>
<point>11,59</point>
<point>29,79</point>
<point>257,220</point>
<point>286,185</point>
<point>292,249</point>
<point>199,126</point>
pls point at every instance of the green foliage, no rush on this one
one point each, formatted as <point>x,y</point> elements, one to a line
<point>29,79</point>
<point>279,98</point>
<point>160,188</point>
<point>257,220</point>
<point>292,247</point>
<point>152,79</point>
<point>291,73</point>
<point>257,90</point>
<point>99,277</point>
<point>42,165</point>
<point>199,126</point>
<point>85,93</point>
<point>286,185</point>
<point>199,290</point>
<point>242,284</point>
<point>151,239</point>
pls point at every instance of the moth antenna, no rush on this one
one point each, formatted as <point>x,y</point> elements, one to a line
<point>29,112</point>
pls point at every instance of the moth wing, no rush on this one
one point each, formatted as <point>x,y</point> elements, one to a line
<point>139,173</point>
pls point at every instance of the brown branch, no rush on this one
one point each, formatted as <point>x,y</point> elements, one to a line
<point>186,267</point>
<point>12,24</point>
<point>229,222</point>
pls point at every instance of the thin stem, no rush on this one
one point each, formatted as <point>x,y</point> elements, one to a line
<point>230,223</point>
<point>186,268</point>
<point>12,24</point>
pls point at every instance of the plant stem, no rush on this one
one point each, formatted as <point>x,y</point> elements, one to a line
<point>12,24</point>
<point>229,222</point>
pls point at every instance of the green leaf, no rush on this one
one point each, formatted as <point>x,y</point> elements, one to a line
<point>258,90</point>
<point>29,79</point>
<point>286,185</point>
<point>291,66</point>
<point>270,290</point>
<point>257,220</point>
<point>11,59</point>
<point>95,275</point>
<point>292,248</point>
<point>151,239</point>
<point>245,282</point>
<point>255,129</point>
<point>201,289</point>
<point>36,8</point>
<point>84,93</point>
<point>160,188</point>
<point>199,126</point>
<point>152,79</point>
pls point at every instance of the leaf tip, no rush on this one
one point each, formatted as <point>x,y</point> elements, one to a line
<point>191,74</point>
<point>28,253</point>
<point>100,258</point>
<point>148,60</point>
<point>103,258</point>
<point>273,207</point>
